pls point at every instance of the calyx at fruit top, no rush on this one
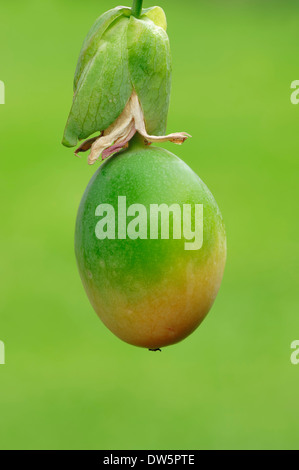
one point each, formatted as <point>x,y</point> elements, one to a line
<point>122,84</point>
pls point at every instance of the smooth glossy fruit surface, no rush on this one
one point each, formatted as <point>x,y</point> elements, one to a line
<point>149,292</point>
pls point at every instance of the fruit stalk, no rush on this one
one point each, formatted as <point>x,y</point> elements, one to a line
<point>137,8</point>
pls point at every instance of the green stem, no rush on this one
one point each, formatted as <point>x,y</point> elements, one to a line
<point>137,8</point>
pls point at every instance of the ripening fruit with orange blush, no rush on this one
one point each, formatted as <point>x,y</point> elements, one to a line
<point>149,292</point>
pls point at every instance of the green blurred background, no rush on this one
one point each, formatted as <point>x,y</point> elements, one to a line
<point>68,383</point>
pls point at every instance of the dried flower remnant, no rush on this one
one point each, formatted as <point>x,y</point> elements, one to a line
<point>118,135</point>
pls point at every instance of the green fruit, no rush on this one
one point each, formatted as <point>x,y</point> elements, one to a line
<point>149,292</point>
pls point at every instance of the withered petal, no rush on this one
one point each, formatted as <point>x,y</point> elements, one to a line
<point>117,136</point>
<point>86,145</point>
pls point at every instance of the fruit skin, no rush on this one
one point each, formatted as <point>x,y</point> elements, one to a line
<point>149,293</point>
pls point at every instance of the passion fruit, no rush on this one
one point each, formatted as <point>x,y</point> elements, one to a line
<point>149,291</point>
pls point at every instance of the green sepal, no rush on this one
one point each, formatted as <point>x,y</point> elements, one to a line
<point>93,37</point>
<point>156,15</point>
<point>150,71</point>
<point>102,84</point>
